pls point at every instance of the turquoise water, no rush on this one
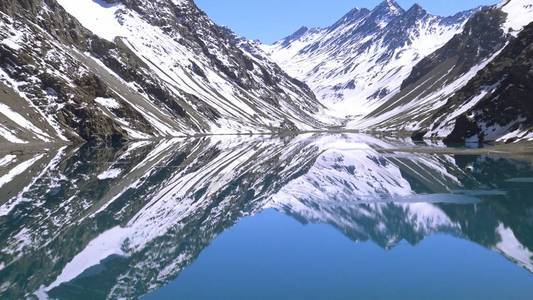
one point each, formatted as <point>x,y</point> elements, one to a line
<point>342,216</point>
<point>271,256</point>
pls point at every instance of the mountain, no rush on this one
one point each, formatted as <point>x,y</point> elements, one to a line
<point>98,70</point>
<point>441,93</point>
<point>110,71</point>
<point>498,103</point>
<point>359,62</point>
<point>411,73</point>
<point>100,223</point>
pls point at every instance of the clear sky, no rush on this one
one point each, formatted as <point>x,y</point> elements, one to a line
<point>271,20</point>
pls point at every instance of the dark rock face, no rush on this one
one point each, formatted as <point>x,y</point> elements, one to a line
<point>71,102</point>
<point>57,54</point>
<point>481,37</point>
<point>508,103</point>
<point>433,98</point>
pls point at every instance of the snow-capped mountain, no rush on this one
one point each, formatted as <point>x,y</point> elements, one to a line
<point>360,61</point>
<point>408,72</point>
<point>135,69</point>
<point>479,64</point>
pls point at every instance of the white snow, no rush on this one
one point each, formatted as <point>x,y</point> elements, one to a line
<point>106,244</point>
<point>16,117</point>
<point>9,136</point>
<point>407,116</point>
<point>109,174</point>
<point>519,14</point>
<point>512,248</point>
<point>108,102</point>
<point>518,135</point>
<point>352,181</point>
<point>23,122</point>
<point>350,169</point>
<point>98,16</point>
<point>4,161</point>
<point>13,202</point>
<point>428,217</point>
<point>19,169</point>
<point>336,64</point>
<point>15,40</point>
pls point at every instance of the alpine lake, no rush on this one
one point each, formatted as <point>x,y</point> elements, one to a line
<point>314,216</point>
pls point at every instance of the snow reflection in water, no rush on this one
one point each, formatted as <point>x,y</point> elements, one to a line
<point>120,222</point>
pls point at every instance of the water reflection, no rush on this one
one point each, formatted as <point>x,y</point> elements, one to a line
<point>96,223</point>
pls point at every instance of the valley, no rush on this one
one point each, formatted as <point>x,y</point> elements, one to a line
<point>114,71</point>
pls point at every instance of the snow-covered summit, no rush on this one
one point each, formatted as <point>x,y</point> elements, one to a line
<point>357,62</point>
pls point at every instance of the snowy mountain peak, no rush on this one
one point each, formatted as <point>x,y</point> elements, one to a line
<point>389,6</point>
<point>416,9</point>
<point>353,16</point>
<point>385,12</point>
<point>354,65</point>
<point>296,35</point>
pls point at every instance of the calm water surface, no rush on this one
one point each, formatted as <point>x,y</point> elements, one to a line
<point>311,217</point>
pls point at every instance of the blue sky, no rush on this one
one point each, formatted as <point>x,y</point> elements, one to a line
<point>271,20</point>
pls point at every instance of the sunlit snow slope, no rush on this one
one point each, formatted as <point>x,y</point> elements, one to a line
<point>361,60</point>
<point>481,74</point>
<point>408,72</point>
<point>136,69</point>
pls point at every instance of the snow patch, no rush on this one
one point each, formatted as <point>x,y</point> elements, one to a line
<point>17,170</point>
<point>98,16</point>
<point>106,244</point>
<point>109,174</point>
<point>23,122</point>
<point>108,102</point>
<point>519,14</point>
<point>7,160</point>
<point>513,248</point>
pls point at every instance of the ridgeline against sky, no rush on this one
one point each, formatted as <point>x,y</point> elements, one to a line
<point>272,20</point>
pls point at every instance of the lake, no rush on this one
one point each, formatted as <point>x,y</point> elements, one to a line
<point>315,216</point>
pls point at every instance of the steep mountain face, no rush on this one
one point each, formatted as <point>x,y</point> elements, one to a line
<point>130,219</point>
<point>441,74</point>
<point>407,72</point>
<point>133,69</point>
<point>434,100</point>
<point>360,61</point>
<point>497,104</point>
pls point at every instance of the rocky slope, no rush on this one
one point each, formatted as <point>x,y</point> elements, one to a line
<point>499,99</point>
<point>437,98</point>
<point>407,72</point>
<point>133,69</point>
<point>361,60</point>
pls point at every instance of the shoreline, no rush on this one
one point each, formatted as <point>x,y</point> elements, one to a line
<point>490,148</point>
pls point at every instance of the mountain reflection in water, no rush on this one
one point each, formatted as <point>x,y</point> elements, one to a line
<point>96,223</point>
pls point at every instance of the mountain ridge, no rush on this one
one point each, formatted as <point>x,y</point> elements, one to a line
<point>395,79</point>
<point>365,54</point>
<point>137,70</point>
<point>117,70</point>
